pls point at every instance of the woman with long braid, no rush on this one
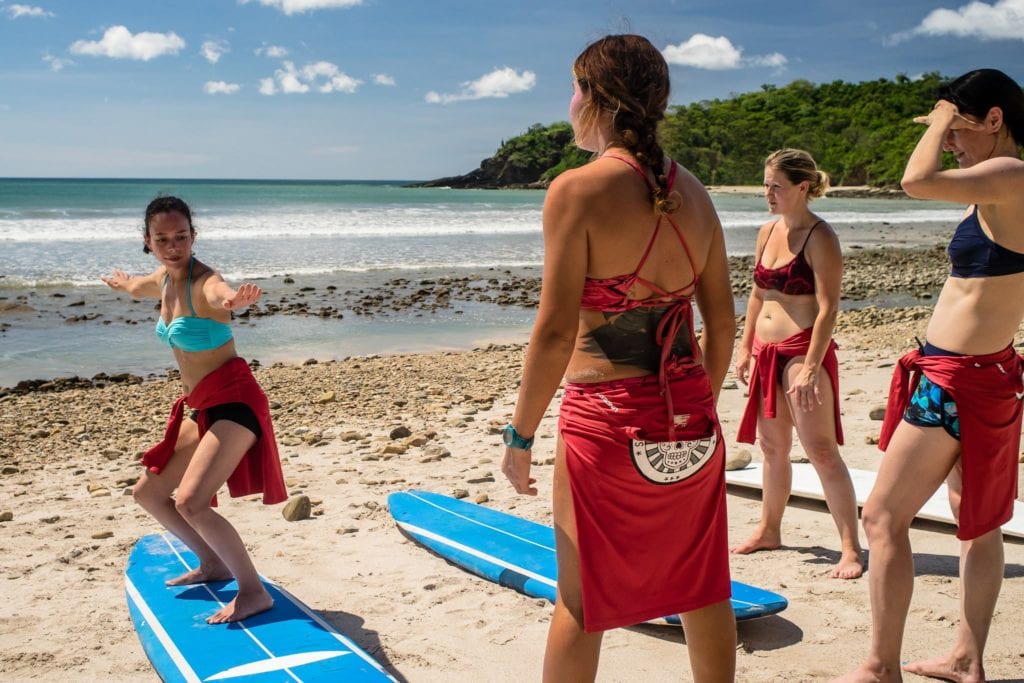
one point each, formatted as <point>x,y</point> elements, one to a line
<point>631,240</point>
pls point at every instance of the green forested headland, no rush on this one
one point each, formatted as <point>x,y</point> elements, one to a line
<point>859,133</point>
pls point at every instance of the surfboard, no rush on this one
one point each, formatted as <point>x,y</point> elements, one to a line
<point>515,552</point>
<point>807,485</point>
<point>289,642</point>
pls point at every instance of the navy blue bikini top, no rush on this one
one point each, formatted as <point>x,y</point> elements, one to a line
<point>974,254</point>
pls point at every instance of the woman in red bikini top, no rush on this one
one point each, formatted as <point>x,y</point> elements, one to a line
<point>631,239</point>
<point>788,336</point>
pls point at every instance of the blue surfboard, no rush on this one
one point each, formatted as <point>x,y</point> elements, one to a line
<point>289,642</point>
<point>515,552</point>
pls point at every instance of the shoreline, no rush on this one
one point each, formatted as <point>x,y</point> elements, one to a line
<point>844,191</point>
<point>60,332</point>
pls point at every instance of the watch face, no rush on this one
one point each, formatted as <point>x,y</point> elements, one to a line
<point>506,435</point>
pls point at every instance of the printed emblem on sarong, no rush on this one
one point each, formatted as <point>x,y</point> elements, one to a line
<point>668,462</point>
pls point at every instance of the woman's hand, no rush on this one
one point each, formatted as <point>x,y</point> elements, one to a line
<point>946,114</point>
<point>116,280</point>
<point>246,295</point>
<point>516,467</point>
<point>743,365</point>
<point>805,389</point>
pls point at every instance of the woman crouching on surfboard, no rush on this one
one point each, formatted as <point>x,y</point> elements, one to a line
<point>631,240</point>
<point>228,436</point>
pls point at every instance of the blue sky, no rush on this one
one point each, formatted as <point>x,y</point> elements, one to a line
<point>409,89</point>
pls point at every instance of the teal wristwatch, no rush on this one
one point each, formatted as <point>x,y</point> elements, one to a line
<point>514,439</point>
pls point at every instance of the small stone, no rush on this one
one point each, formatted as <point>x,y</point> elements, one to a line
<point>38,434</point>
<point>460,493</point>
<point>6,516</point>
<point>9,469</point>
<point>481,499</point>
<point>485,479</point>
<point>394,449</point>
<point>50,520</point>
<point>871,440</point>
<point>348,530</point>
<point>297,508</point>
<point>326,397</point>
<point>436,451</point>
<point>877,413</point>
<point>729,385</point>
<point>99,493</point>
<point>800,459</point>
<point>400,433</point>
<point>99,535</point>
<point>738,460</point>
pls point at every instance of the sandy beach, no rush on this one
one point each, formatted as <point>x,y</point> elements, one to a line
<point>68,456</point>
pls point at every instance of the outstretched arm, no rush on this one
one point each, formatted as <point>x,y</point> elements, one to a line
<point>221,296</point>
<point>138,286</point>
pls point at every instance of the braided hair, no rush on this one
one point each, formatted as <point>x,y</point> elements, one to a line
<point>627,77</point>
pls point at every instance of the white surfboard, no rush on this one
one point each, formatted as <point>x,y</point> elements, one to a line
<point>807,485</point>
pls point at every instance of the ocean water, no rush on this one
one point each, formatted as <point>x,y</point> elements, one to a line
<point>60,235</point>
<point>60,232</point>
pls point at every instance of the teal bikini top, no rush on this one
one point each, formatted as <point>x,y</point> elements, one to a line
<point>192,333</point>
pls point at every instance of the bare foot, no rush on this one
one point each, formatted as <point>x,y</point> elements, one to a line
<point>867,673</point>
<point>243,606</point>
<point>761,539</point>
<point>848,567</point>
<point>948,668</point>
<point>201,574</point>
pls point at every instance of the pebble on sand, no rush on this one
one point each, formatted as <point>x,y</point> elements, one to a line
<point>297,508</point>
<point>738,460</point>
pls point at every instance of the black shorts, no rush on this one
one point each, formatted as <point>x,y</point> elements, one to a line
<point>239,413</point>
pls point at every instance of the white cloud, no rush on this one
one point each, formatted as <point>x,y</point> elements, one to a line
<point>274,51</point>
<point>775,59</point>
<point>213,50</point>
<point>324,76</point>
<point>702,51</point>
<point>18,11</point>
<point>119,43</point>
<point>290,7</point>
<point>383,79</point>
<point>498,83</point>
<point>1002,20</point>
<point>56,63</point>
<point>221,88</point>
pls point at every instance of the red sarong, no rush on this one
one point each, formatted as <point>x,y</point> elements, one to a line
<point>769,357</point>
<point>650,515</point>
<point>987,391</point>
<point>260,468</point>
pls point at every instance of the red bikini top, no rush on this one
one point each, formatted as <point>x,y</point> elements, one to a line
<point>611,294</point>
<point>795,277</point>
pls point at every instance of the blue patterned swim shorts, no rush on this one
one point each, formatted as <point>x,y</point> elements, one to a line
<point>932,406</point>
